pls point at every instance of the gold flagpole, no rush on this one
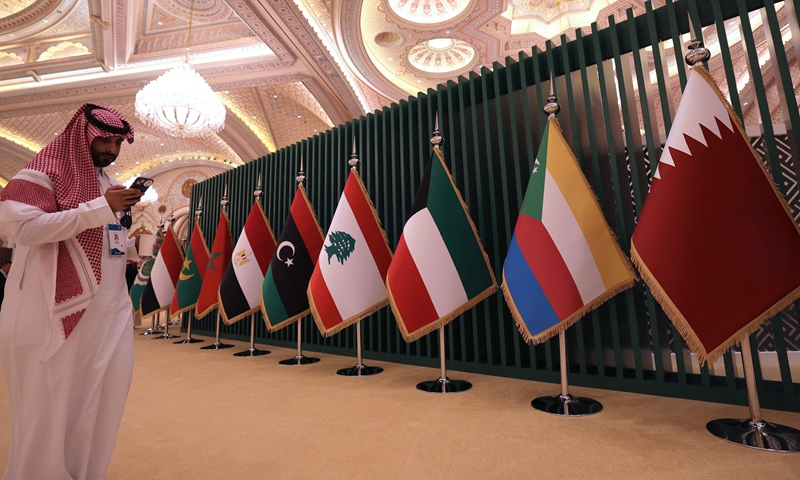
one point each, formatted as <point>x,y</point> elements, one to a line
<point>189,339</point>
<point>168,321</point>
<point>154,326</point>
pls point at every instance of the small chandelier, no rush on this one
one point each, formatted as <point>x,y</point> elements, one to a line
<point>180,102</point>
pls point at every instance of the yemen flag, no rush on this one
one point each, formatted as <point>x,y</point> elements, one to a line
<point>191,277</point>
<point>563,260</point>
<point>348,282</point>
<point>218,261</point>
<point>439,268</point>
<point>283,293</point>
<point>715,240</point>
<point>240,290</point>
<point>137,289</point>
<point>160,288</point>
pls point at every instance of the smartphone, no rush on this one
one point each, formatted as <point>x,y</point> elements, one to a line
<point>141,184</point>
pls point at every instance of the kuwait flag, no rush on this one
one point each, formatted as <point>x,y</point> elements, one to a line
<point>160,288</point>
<point>283,293</point>
<point>563,260</point>
<point>439,268</point>
<point>217,263</point>
<point>348,282</point>
<point>240,290</point>
<point>137,289</point>
<point>715,240</point>
<point>191,277</point>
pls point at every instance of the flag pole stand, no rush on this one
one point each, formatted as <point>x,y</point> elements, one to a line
<point>252,351</point>
<point>217,345</point>
<point>153,330</point>
<point>189,338</point>
<point>443,384</point>
<point>299,359</point>
<point>755,432</point>
<point>166,334</point>
<point>565,404</point>
<point>359,369</point>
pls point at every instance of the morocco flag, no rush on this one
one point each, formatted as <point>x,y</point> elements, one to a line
<point>715,241</point>
<point>217,263</point>
<point>348,282</point>
<point>283,294</point>
<point>563,260</point>
<point>191,276</point>
<point>240,290</point>
<point>439,268</point>
<point>160,288</point>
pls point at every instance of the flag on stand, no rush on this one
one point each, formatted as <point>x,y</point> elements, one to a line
<point>715,241</point>
<point>160,288</point>
<point>283,294</point>
<point>240,290</point>
<point>217,263</point>
<point>563,260</point>
<point>348,282</point>
<point>192,272</point>
<point>439,268</point>
<point>137,289</point>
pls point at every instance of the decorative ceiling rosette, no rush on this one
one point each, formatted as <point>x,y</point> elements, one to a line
<point>442,56</point>
<point>428,13</point>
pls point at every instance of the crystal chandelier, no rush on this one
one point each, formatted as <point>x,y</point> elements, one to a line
<point>180,102</point>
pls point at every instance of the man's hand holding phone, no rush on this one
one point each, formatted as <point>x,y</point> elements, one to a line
<point>120,198</point>
<point>130,197</point>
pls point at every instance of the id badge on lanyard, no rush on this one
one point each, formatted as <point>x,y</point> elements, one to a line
<point>116,239</point>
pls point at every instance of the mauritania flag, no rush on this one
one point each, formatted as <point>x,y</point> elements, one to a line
<point>240,290</point>
<point>191,277</point>
<point>439,268</point>
<point>160,288</point>
<point>283,294</point>
<point>563,260</point>
<point>137,289</point>
<point>348,282</point>
<point>217,264</point>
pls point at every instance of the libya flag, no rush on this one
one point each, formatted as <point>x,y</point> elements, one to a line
<point>191,276</point>
<point>283,293</point>
<point>137,289</point>
<point>439,268</point>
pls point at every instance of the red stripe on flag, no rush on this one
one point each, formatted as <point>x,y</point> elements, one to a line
<point>323,301</point>
<point>548,266</point>
<point>199,250</point>
<point>173,259</point>
<point>409,292</point>
<point>262,241</point>
<point>307,225</point>
<point>365,217</point>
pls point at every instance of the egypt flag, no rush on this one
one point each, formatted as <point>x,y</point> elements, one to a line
<point>439,268</point>
<point>143,276</point>
<point>191,277</point>
<point>240,290</point>
<point>160,288</point>
<point>715,241</point>
<point>563,260</point>
<point>348,282</point>
<point>283,293</point>
<point>218,262</point>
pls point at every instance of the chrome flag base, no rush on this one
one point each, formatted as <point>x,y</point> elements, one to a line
<point>188,340</point>
<point>151,331</point>
<point>444,385</point>
<point>216,346</point>
<point>251,352</point>
<point>166,335</point>
<point>359,370</point>
<point>567,405</point>
<point>760,435</point>
<point>299,360</point>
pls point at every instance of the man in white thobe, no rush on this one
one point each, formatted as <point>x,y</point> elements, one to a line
<point>66,345</point>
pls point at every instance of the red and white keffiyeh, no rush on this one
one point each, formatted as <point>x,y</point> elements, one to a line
<point>61,177</point>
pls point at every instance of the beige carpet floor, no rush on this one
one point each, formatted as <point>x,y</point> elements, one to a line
<point>195,414</point>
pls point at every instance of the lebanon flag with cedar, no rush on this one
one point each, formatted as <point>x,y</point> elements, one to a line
<point>160,288</point>
<point>439,268</point>
<point>283,293</point>
<point>240,290</point>
<point>348,282</point>
<point>563,260</point>
<point>715,240</point>
<point>191,277</point>
<point>217,263</point>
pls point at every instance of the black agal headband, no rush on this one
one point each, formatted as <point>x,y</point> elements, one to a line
<point>124,130</point>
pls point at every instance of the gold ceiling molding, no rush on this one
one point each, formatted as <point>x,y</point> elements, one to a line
<point>243,106</point>
<point>63,50</point>
<point>125,173</point>
<point>22,142</point>
<point>26,16</point>
<point>432,14</point>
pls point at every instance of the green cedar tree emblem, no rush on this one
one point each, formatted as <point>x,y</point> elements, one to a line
<point>342,245</point>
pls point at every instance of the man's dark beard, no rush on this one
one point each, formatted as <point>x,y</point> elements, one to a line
<point>102,159</point>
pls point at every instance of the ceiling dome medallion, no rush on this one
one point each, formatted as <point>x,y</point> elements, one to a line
<point>441,56</point>
<point>427,12</point>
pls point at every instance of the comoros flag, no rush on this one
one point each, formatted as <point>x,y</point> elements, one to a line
<point>283,293</point>
<point>563,260</point>
<point>143,276</point>
<point>160,288</point>
<point>348,282</point>
<point>439,268</point>
<point>715,241</point>
<point>218,262</point>
<point>240,290</point>
<point>192,272</point>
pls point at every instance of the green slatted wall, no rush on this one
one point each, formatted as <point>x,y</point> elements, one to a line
<point>492,124</point>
